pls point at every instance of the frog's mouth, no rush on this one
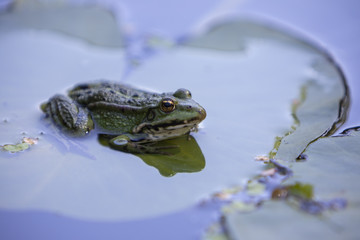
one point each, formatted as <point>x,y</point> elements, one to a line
<point>175,127</point>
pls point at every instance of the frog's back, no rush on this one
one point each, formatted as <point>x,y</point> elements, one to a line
<point>105,91</point>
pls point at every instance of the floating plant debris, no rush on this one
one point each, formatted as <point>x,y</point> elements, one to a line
<point>19,147</point>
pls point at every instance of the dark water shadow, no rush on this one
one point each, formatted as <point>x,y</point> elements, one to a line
<point>187,157</point>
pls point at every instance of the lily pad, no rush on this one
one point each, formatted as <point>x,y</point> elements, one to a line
<point>332,168</point>
<point>90,23</point>
<point>320,109</point>
<point>278,220</point>
<point>334,161</point>
<point>238,206</point>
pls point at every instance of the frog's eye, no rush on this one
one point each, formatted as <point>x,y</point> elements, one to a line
<point>182,93</point>
<point>167,105</point>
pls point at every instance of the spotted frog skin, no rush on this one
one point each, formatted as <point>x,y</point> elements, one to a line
<point>131,118</point>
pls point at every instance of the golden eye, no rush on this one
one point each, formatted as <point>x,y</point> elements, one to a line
<point>167,105</point>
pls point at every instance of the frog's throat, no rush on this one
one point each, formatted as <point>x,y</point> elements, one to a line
<point>165,127</point>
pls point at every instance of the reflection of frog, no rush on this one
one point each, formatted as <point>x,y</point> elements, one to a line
<point>134,117</point>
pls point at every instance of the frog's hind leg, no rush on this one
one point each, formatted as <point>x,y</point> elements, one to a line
<point>68,115</point>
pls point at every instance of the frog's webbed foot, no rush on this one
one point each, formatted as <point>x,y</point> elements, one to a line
<point>125,144</point>
<point>68,115</point>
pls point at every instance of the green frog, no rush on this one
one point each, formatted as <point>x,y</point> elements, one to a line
<point>130,118</point>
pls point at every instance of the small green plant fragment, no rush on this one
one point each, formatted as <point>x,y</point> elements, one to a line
<point>301,196</point>
<point>304,191</point>
<point>13,148</point>
<point>19,147</point>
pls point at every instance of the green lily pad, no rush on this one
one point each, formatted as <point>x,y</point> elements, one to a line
<point>222,36</point>
<point>332,168</point>
<point>276,220</point>
<point>92,24</point>
<point>321,108</point>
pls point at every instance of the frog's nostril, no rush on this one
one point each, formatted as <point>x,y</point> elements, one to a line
<point>202,113</point>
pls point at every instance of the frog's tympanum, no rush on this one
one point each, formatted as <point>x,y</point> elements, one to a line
<point>132,119</point>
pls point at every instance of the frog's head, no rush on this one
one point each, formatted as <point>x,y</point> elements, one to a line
<point>175,114</point>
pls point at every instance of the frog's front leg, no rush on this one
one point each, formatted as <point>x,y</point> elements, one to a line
<point>68,115</point>
<point>132,144</point>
